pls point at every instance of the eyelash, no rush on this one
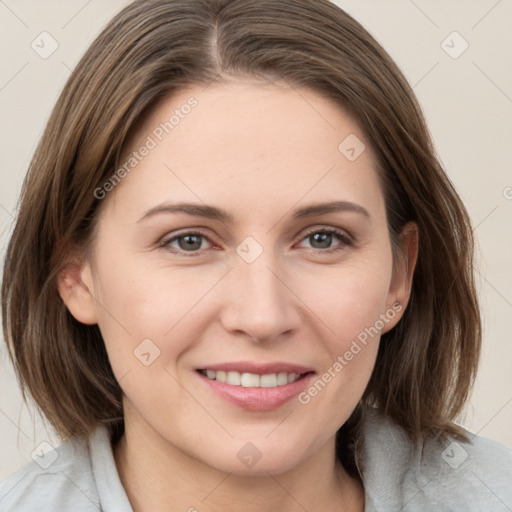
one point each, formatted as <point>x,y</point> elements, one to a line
<point>344,238</point>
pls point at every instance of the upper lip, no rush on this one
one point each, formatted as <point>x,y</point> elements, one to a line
<point>257,368</point>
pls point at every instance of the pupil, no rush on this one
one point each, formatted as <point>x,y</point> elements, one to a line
<point>192,242</point>
<point>323,238</point>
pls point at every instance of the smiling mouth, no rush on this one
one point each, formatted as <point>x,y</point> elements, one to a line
<point>252,380</point>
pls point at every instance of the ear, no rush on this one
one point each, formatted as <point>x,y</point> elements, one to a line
<point>403,271</point>
<point>76,290</point>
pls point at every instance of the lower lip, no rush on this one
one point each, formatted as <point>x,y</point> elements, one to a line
<point>257,399</point>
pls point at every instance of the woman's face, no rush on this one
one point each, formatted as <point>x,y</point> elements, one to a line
<point>248,242</point>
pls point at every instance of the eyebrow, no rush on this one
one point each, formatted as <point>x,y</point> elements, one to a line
<point>214,213</point>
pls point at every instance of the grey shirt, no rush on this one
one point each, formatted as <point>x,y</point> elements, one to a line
<point>439,476</point>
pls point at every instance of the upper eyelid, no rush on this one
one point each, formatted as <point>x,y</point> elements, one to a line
<point>328,229</point>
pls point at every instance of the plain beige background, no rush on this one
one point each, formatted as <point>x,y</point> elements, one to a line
<point>466,94</point>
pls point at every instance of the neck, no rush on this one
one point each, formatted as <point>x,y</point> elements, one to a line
<point>156,474</point>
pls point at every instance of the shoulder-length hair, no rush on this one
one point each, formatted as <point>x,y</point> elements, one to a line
<point>425,366</point>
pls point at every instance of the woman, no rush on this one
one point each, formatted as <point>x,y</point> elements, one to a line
<point>240,277</point>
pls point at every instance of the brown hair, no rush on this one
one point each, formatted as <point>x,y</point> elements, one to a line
<point>425,366</point>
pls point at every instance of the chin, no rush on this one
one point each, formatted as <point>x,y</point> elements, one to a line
<point>258,458</point>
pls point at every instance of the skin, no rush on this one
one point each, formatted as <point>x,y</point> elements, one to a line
<point>260,152</point>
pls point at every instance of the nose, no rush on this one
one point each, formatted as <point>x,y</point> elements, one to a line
<point>260,303</point>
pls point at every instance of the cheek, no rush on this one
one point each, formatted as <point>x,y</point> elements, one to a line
<point>352,305</point>
<point>137,302</point>
<point>350,298</point>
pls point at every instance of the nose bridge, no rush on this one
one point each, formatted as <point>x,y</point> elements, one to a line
<point>259,304</point>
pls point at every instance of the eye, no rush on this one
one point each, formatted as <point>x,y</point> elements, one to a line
<point>194,242</point>
<point>191,242</point>
<point>324,239</point>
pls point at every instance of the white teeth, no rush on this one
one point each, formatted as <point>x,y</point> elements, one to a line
<point>220,376</point>
<point>252,380</point>
<point>282,379</point>
<point>268,381</point>
<point>233,378</point>
<point>292,377</point>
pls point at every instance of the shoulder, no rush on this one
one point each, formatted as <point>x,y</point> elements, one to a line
<point>59,479</point>
<point>445,474</point>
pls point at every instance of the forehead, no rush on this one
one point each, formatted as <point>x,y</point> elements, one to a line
<point>246,142</point>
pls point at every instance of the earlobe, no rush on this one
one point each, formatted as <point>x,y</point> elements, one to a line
<point>403,271</point>
<point>76,290</point>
